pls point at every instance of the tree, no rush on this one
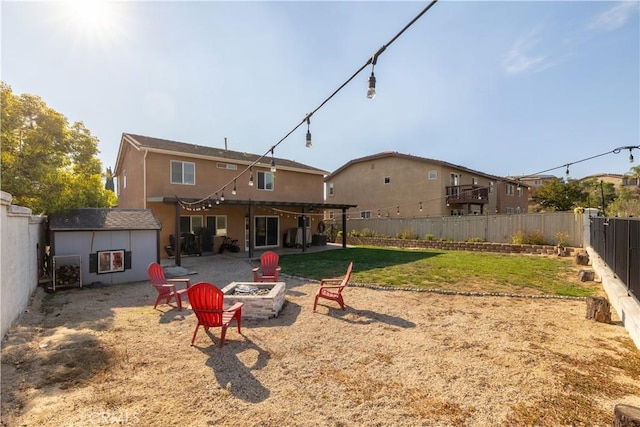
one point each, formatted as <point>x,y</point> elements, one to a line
<point>626,204</point>
<point>557,195</point>
<point>47,164</point>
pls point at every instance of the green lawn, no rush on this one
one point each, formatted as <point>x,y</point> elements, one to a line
<point>446,270</point>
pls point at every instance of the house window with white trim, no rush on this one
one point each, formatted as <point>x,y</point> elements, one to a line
<point>331,190</point>
<point>433,174</point>
<point>183,173</point>
<point>510,189</point>
<point>365,214</point>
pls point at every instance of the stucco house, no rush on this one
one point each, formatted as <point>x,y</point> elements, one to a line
<point>392,184</point>
<point>201,194</point>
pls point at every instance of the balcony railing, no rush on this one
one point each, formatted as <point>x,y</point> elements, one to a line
<point>467,194</point>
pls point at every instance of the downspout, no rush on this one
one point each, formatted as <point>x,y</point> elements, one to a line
<point>304,231</point>
<point>144,178</point>
<point>251,222</point>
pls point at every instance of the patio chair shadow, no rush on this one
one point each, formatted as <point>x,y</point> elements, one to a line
<point>367,317</point>
<point>232,373</point>
<point>286,317</point>
<point>168,315</point>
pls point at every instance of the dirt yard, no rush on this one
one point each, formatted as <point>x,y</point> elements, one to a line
<point>103,356</point>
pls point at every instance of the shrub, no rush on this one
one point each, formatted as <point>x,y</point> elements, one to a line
<point>562,238</point>
<point>368,233</point>
<point>406,234</point>
<point>354,233</point>
<point>528,238</point>
<point>429,237</point>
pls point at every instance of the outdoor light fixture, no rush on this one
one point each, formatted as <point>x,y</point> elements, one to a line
<point>273,162</point>
<point>308,144</point>
<point>371,91</point>
<point>234,192</point>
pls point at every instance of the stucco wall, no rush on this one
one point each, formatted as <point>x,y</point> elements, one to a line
<point>22,238</point>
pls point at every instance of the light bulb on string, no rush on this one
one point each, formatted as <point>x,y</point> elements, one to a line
<point>567,172</point>
<point>250,177</point>
<point>371,90</point>
<point>420,206</point>
<point>630,155</point>
<point>234,192</point>
<point>273,162</point>
<point>222,197</point>
<point>308,143</point>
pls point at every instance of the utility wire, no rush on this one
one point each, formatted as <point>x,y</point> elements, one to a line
<point>371,60</point>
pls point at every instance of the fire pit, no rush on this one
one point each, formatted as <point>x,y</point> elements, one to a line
<point>261,300</point>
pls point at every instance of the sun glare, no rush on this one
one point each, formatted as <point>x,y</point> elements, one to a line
<point>93,21</point>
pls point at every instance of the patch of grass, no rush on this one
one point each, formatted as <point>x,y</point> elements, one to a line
<point>450,270</point>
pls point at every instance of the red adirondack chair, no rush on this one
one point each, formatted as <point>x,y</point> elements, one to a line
<point>166,288</point>
<point>333,292</point>
<point>207,302</point>
<point>268,270</point>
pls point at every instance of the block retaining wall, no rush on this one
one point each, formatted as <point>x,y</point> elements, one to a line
<point>509,248</point>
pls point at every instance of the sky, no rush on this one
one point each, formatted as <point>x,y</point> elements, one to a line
<point>501,87</point>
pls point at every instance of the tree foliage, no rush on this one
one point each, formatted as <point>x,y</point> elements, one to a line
<point>47,164</point>
<point>558,195</point>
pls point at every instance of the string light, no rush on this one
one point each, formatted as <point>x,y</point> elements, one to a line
<point>372,84</point>
<point>234,192</point>
<point>308,143</point>
<point>371,90</point>
<point>273,162</point>
<point>630,155</point>
<point>222,197</point>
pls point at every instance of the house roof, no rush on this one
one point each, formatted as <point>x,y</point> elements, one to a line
<point>86,219</point>
<point>386,154</point>
<point>159,145</point>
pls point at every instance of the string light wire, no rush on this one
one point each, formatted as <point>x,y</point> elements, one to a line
<point>304,120</point>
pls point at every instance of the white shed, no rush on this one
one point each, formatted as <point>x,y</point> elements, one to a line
<point>105,245</point>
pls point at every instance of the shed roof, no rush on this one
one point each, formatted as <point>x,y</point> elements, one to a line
<point>86,219</point>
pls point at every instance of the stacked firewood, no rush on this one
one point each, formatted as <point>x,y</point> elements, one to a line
<point>68,275</point>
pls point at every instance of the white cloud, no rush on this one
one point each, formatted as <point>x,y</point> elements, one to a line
<point>519,59</point>
<point>615,17</point>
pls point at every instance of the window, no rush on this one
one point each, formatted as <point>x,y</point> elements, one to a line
<point>110,261</point>
<point>266,231</point>
<point>190,224</point>
<point>509,211</point>
<point>433,174</point>
<point>365,214</point>
<point>265,180</point>
<point>183,173</point>
<point>387,179</point>
<point>331,189</point>
<point>124,179</point>
<point>510,189</point>
<point>519,191</point>
<point>217,224</point>
<point>227,166</point>
<point>474,181</point>
<point>490,187</point>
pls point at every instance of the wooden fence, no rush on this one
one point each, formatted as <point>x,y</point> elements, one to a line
<point>488,228</point>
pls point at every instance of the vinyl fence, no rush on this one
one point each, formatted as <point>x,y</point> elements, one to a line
<point>565,226</point>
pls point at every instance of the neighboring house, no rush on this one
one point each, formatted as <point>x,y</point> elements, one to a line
<point>203,194</point>
<point>533,181</point>
<point>617,180</point>
<point>108,245</point>
<point>392,184</point>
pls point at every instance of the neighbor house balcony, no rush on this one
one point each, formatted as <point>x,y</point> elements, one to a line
<point>474,194</point>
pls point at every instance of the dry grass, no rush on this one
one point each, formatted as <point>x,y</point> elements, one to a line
<point>103,356</point>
